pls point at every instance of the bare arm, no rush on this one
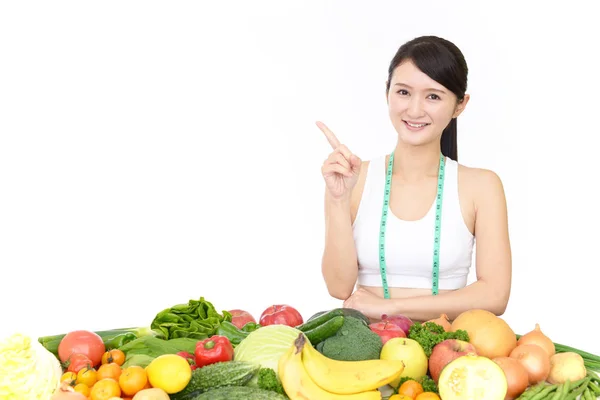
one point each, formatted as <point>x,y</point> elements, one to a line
<point>339,264</point>
<point>341,172</point>
<point>492,289</point>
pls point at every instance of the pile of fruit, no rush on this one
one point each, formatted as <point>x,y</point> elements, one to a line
<point>193,352</point>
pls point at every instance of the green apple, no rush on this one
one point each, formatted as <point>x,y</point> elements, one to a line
<point>410,352</point>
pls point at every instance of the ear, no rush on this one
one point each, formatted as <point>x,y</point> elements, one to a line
<point>387,93</point>
<point>461,106</point>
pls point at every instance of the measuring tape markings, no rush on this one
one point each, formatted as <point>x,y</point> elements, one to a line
<point>437,230</point>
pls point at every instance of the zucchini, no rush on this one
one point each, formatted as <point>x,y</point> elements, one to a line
<point>325,330</point>
<point>239,393</point>
<point>213,376</point>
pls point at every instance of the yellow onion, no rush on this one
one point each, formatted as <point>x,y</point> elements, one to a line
<point>535,360</point>
<point>537,337</point>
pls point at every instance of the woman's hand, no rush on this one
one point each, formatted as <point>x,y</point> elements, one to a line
<point>341,169</point>
<point>367,303</point>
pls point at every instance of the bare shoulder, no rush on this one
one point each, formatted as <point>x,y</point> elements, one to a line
<point>482,185</point>
<point>479,176</point>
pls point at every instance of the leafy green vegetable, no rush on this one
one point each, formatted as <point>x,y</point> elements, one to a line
<point>429,334</point>
<point>265,346</point>
<point>267,379</point>
<point>429,384</point>
<point>142,360</point>
<point>198,319</point>
<point>426,382</point>
<point>154,347</point>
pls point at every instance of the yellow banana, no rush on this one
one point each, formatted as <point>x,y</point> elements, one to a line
<point>347,377</point>
<point>298,385</point>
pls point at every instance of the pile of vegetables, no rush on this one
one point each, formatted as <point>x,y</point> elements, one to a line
<point>218,357</point>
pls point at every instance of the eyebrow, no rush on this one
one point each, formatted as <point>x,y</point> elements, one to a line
<point>431,89</point>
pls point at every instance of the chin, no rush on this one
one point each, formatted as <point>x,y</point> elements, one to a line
<point>415,138</point>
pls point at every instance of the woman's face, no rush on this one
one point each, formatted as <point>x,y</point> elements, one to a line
<point>419,107</point>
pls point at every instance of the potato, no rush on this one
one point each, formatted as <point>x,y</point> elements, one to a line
<point>566,366</point>
<point>151,394</point>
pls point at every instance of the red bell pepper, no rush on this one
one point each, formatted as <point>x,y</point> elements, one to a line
<point>212,350</point>
<point>191,359</point>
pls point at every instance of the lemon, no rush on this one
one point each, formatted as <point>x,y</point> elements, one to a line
<point>169,372</point>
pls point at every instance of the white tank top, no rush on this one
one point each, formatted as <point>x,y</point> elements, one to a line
<point>409,244</point>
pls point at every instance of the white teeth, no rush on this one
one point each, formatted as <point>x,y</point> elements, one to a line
<point>415,126</point>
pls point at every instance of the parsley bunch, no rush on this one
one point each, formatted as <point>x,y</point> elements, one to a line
<point>426,382</point>
<point>430,334</point>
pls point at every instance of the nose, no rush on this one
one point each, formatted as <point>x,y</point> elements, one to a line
<point>415,108</point>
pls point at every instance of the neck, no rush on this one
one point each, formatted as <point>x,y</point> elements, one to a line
<point>416,162</point>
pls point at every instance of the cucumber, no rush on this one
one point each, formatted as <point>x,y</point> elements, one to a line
<point>239,393</point>
<point>325,330</point>
<point>319,319</point>
<point>346,312</point>
<point>221,374</point>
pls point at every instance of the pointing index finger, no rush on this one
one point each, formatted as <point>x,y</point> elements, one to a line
<point>333,141</point>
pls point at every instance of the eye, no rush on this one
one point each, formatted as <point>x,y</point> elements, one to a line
<point>402,92</point>
<point>435,96</point>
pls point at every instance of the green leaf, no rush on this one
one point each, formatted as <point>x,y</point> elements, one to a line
<point>198,319</point>
<point>154,347</point>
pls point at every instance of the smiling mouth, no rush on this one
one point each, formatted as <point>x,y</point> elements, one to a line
<point>415,126</point>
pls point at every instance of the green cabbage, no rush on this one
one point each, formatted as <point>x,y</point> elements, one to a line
<point>27,370</point>
<point>266,345</point>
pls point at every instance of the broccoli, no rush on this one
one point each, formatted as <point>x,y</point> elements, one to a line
<point>267,380</point>
<point>354,341</point>
<point>429,334</point>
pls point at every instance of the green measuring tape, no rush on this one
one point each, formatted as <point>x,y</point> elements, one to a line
<point>438,224</point>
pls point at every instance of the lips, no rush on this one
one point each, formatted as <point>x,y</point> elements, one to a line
<point>415,125</point>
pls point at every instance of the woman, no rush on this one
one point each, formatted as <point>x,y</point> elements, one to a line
<point>409,252</point>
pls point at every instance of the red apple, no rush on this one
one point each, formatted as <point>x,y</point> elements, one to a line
<point>447,351</point>
<point>281,314</point>
<point>386,330</point>
<point>399,320</point>
<point>240,318</point>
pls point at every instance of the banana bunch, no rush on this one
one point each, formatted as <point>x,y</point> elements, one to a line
<point>309,375</point>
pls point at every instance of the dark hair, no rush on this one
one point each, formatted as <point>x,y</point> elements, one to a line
<point>443,62</point>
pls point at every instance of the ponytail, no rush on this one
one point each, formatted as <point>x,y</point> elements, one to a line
<point>449,142</point>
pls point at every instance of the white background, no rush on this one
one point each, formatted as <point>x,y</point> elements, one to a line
<point>151,153</point>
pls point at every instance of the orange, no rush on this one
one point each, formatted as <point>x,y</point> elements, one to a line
<point>400,397</point>
<point>411,389</point>
<point>69,377</point>
<point>88,376</point>
<point>132,380</point>
<point>427,396</point>
<point>104,389</point>
<point>110,370</point>
<point>83,389</point>
<point>117,356</point>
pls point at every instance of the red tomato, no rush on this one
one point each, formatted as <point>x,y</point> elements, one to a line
<point>82,342</point>
<point>77,362</point>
